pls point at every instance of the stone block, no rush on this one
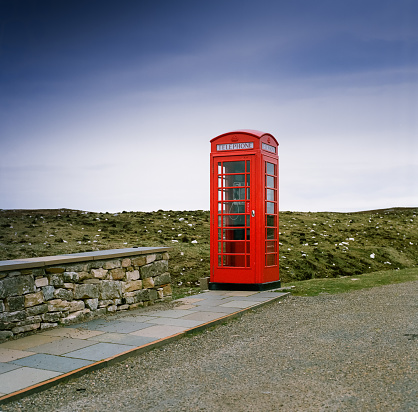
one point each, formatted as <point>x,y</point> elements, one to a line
<point>92,281</point>
<point>112,308</point>
<point>110,289</point>
<point>15,303</point>
<point>91,304</point>
<point>126,262</point>
<point>162,279</point>
<point>133,275</point>
<point>153,295</point>
<point>72,277</point>
<point>40,282</point>
<point>154,269</point>
<point>57,305</point>
<point>33,299</point>
<point>56,279</point>
<point>78,267</point>
<point>30,320</point>
<point>148,283</point>
<point>13,316</point>
<point>143,295</point>
<point>37,310</point>
<point>14,273</point>
<point>85,291</point>
<point>112,264</point>
<point>139,261</point>
<point>15,286</point>
<point>2,307</point>
<point>63,294</point>
<point>69,285</point>
<point>54,270</point>
<point>45,325</point>
<point>82,276</point>
<point>52,317</point>
<point>38,272</point>
<point>133,285</point>
<point>75,317</point>
<point>165,256</point>
<point>48,292</point>
<point>99,273</point>
<point>117,274</point>
<point>117,302</point>
<point>76,305</point>
<point>123,307</point>
<point>26,328</point>
<point>160,293</point>
<point>105,303</point>
<point>167,290</point>
<point>5,334</point>
<point>204,283</point>
<point>136,305</point>
<point>150,258</point>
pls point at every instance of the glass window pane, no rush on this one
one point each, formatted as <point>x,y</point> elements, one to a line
<point>234,260</point>
<point>234,167</point>
<point>220,192</point>
<point>234,220</point>
<point>248,220</point>
<point>234,180</point>
<point>220,168</point>
<point>248,180</point>
<point>219,234</point>
<point>270,220</point>
<point>248,193</point>
<point>270,246</point>
<point>271,233</point>
<point>270,181</point>
<point>248,247</point>
<point>219,260</point>
<point>248,261</point>
<point>234,234</point>
<point>270,208</point>
<point>270,194</point>
<point>234,207</point>
<point>270,168</point>
<point>271,260</point>
<point>248,166</point>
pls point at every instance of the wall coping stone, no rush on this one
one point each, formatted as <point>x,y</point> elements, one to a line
<point>7,265</point>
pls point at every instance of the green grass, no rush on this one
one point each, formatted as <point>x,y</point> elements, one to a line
<point>314,287</point>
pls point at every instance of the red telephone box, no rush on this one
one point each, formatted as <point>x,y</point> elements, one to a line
<point>244,211</point>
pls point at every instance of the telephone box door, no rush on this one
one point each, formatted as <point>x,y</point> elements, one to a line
<point>233,220</point>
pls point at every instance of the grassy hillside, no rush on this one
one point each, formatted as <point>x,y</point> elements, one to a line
<point>312,245</point>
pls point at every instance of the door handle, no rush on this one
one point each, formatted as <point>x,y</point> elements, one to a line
<point>252,213</point>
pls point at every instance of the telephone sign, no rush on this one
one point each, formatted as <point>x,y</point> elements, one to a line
<point>244,211</point>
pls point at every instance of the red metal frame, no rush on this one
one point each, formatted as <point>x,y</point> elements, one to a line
<point>244,210</point>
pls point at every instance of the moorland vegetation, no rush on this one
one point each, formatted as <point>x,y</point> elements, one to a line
<point>312,245</point>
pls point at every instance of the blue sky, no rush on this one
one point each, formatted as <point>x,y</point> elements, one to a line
<point>110,105</point>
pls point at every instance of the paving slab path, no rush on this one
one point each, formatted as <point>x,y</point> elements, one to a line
<point>35,362</point>
<point>355,351</point>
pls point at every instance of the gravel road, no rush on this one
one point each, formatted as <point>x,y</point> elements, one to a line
<point>350,352</point>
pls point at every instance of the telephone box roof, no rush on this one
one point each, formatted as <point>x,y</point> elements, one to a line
<point>256,133</point>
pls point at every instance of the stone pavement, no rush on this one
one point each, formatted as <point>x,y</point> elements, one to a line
<point>38,361</point>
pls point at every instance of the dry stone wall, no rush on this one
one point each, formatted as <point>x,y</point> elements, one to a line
<point>42,293</point>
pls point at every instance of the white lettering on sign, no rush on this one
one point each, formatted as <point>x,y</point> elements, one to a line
<point>235,146</point>
<point>269,148</point>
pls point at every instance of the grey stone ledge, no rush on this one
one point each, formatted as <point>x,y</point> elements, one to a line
<point>29,263</point>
